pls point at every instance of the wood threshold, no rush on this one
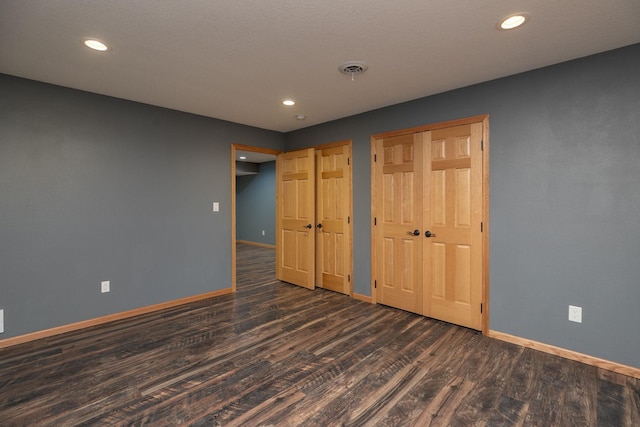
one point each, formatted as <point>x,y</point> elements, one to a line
<point>361,297</point>
<point>567,354</point>
<point>262,245</point>
<point>45,333</point>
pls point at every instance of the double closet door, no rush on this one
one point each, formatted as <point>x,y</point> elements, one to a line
<point>313,243</point>
<point>428,223</point>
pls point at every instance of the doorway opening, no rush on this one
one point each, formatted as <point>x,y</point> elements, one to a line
<point>250,158</point>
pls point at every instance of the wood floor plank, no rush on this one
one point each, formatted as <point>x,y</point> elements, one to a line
<point>524,376</point>
<point>580,404</point>
<point>611,402</point>
<point>490,379</point>
<point>444,404</point>
<point>431,400</point>
<point>274,354</point>
<point>546,403</point>
<point>374,379</point>
<point>633,398</point>
<point>395,389</point>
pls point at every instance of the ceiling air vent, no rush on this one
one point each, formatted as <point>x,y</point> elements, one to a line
<point>353,68</point>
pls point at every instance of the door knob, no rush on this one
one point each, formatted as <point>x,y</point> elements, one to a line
<point>413,233</point>
<point>429,234</point>
<point>319,225</point>
<point>308,226</point>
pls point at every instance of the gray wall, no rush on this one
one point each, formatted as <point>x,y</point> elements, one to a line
<point>565,196</point>
<point>256,205</point>
<point>94,188</point>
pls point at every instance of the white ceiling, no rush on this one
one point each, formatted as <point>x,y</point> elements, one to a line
<point>254,157</point>
<point>237,60</point>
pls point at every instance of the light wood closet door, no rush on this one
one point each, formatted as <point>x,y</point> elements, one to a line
<point>333,241</point>
<point>430,182</point>
<point>399,240</point>
<point>453,253</point>
<point>295,193</point>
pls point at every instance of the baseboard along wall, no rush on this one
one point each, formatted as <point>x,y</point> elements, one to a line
<point>568,354</point>
<point>106,319</point>
<point>558,351</point>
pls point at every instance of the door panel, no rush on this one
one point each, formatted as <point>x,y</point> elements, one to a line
<point>399,258</point>
<point>332,217</point>
<point>295,241</point>
<point>453,255</point>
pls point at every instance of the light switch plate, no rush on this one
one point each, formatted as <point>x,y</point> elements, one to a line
<point>2,321</point>
<point>216,206</point>
<point>105,286</point>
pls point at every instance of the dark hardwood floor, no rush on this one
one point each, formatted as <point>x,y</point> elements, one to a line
<point>275,354</point>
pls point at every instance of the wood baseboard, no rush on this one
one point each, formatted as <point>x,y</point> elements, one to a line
<point>364,298</point>
<point>262,245</point>
<point>109,318</point>
<point>568,354</point>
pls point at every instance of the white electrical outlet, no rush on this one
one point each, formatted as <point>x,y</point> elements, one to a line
<point>216,206</point>
<point>575,314</point>
<point>2,321</point>
<point>105,286</point>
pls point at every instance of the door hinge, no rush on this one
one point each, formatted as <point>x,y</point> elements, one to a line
<point>481,227</point>
<point>348,220</point>
<point>375,284</point>
<point>481,308</point>
<point>348,278</point>
<point>348,161</point>
<point>482,145</point>
<point>375,158</point>
<point>375,221</point>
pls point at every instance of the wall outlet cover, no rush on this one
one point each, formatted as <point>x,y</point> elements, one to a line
<point>105,286</point>
<point>575,314</point>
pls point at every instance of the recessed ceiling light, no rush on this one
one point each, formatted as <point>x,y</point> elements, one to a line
<point>96,45</point>
<point>289,102</point>
<point>243,157</point>
<point>301,117</point>
<point>513,21</point>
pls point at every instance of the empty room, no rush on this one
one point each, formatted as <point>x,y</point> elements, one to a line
<point>320,213</point>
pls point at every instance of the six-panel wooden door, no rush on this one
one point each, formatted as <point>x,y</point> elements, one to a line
<point>333,238</point>
<point>313,243</point>
<point>399,185</point>
<point>453,253</point>
<point>427,191</point>
<point>295,217</point>
<point>427,204</point>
